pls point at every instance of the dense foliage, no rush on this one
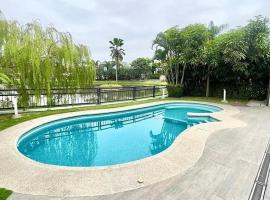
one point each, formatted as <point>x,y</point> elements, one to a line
<point>42,59</point>
<point>138,69</point>
<point>174,91</point>
<point>203,62</point>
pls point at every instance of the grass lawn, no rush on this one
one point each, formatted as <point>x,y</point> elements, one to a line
<point>4,193</point>
<point>7,121</point>
<point>128,83</point>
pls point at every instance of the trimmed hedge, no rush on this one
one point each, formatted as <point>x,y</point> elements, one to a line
<point>233,91</point>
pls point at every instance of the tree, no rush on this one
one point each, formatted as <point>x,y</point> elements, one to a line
<point>233,48</point>
<point>227,55</point>
<point>141,66</point>
<point>210,54</point>
<point>180,48</point>
<point>167,45</point>
<point>164,52</point>
<point>105,70</point>
<point>117,53</point>
<point>195,37</point>
<point>258,52</point>
<point>238,59</point>
<point>40,58</point>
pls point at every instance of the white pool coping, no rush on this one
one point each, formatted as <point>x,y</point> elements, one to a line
<point>23,175</point>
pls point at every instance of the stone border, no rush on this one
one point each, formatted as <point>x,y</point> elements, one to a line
<point>23,175</point>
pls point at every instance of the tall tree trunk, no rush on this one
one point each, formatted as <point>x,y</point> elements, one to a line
<point>207,85</point>
<point>177,74</point>
<point>183,75</point>
<point>168,76</point>
<point>268,89</point>
<point>172,76</point>
<point>116,71</point>
<point>207,82</point>
<point>171,72</point>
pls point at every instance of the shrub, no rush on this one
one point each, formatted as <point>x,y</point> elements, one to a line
<point>175,90</point>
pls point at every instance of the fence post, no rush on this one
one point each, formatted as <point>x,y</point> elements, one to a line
<point>224,96</point>
<point>154,91</point>
<point>163,93</point>
<point>98,96</point>
<point>134,93</point>
<point>15,106</point>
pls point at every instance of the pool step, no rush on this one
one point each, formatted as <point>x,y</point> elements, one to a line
<point>196,123</point>
<point>188,123</point>
<point>175,120</point>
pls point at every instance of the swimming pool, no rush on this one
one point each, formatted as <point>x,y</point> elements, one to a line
<point>112,138</point>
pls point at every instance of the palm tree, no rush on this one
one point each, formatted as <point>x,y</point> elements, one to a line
<point>165,52</point>
<point>214,30</point>
<point>117,53</point>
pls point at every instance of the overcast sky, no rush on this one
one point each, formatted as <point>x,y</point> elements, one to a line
<point>95,22</point>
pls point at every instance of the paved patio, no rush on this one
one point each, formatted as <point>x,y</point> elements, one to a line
<point>226,170</point>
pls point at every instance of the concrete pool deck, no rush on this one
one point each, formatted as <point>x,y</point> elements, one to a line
<point>24,180</point>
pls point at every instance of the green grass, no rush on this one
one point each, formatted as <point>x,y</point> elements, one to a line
<point>128,83</point>
<point>7,121</point>
<point>4,193</point>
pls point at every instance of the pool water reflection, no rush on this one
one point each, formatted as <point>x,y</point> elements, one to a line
<point>108,139</point>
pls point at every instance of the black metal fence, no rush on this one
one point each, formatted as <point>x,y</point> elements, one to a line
<point>67,97</point>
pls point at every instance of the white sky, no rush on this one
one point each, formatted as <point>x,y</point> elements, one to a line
<point>95,22</point>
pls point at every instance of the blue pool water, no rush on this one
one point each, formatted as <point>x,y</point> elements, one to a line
<point>113,138</point>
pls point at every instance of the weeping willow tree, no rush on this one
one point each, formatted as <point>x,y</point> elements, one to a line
<point>33,57</point>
